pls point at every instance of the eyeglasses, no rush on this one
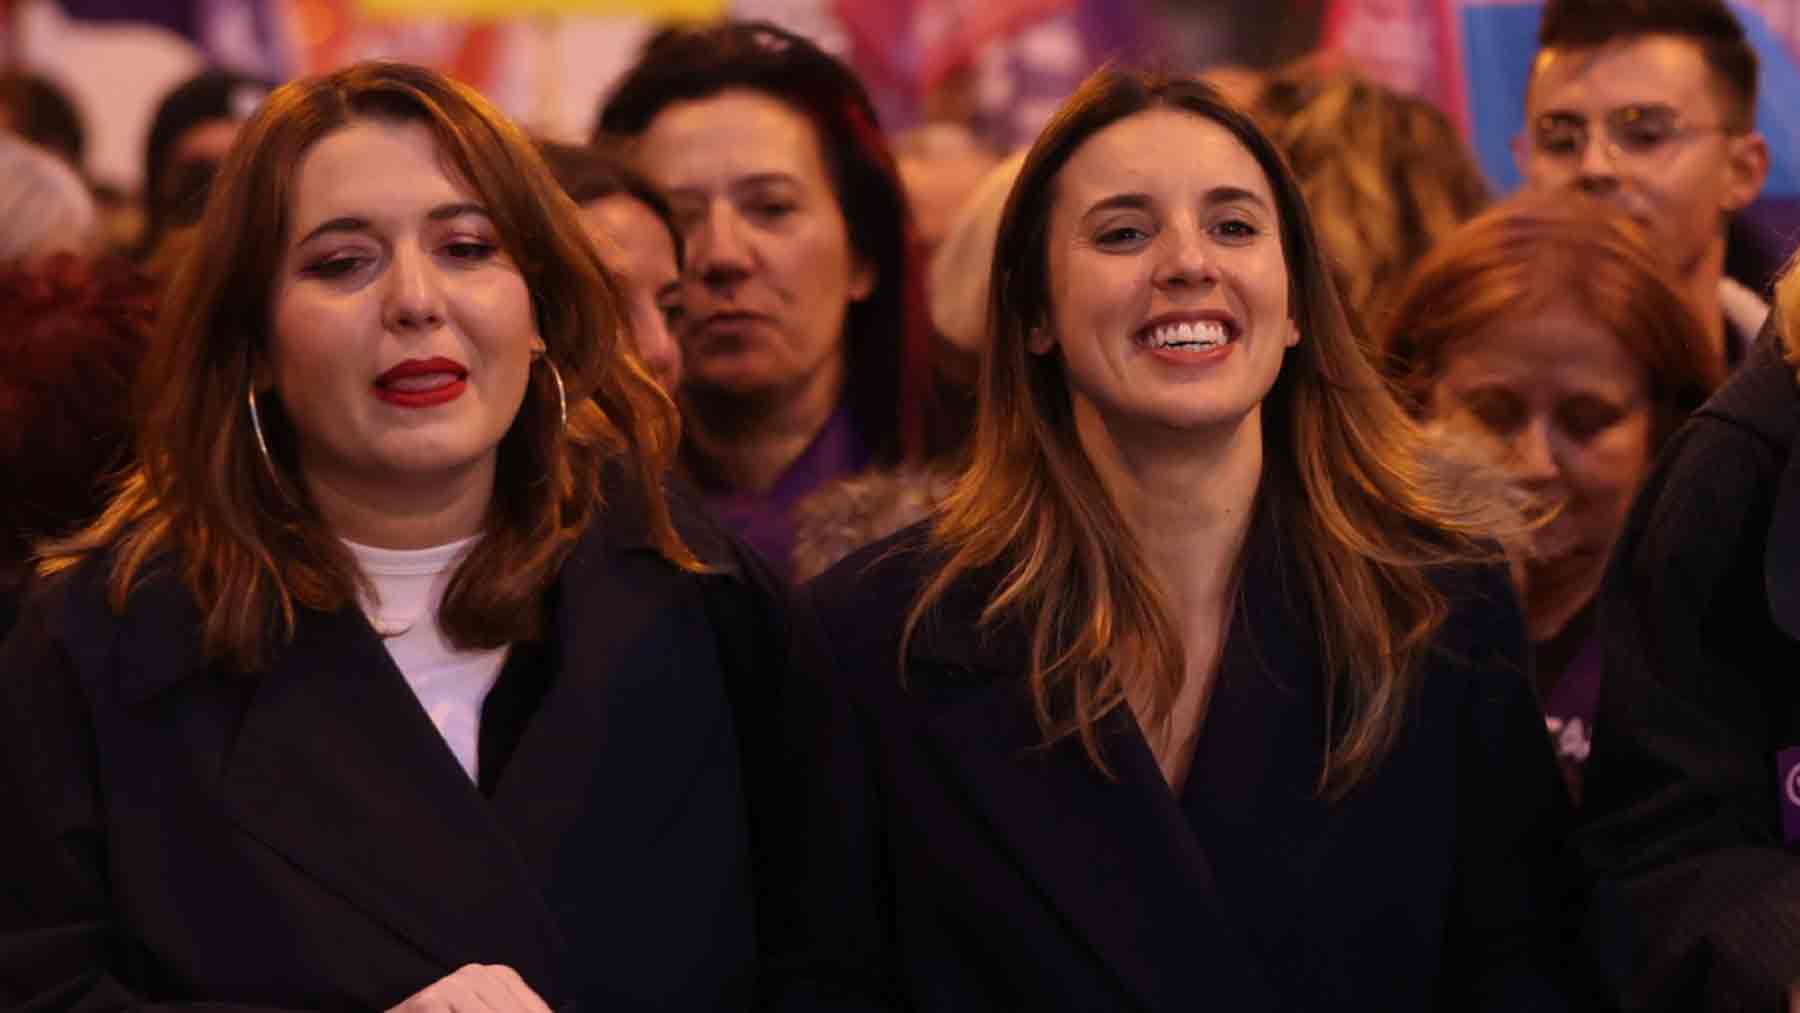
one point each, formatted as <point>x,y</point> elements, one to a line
<point>1634,134</point>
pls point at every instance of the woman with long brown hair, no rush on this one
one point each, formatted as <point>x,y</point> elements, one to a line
<point>1201,688</point>
<point>390,678</point>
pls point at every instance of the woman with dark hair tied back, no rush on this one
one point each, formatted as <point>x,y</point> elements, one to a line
<point>805,345</point>
<point>1203,688</point>
<point>390,678</point>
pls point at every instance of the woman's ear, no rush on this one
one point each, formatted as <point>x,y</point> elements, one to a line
<point>1038,340</point>
<point>863,276</point>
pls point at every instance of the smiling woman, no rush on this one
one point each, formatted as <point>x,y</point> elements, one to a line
<point>1132,722</point>
<point>391,618</point>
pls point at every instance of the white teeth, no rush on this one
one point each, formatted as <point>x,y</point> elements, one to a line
<point>1189,334</point>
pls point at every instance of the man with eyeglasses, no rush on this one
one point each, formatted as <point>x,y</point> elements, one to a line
<point>1651,104</point>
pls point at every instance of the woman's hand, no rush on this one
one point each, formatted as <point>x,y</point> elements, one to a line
<point>475,988</point>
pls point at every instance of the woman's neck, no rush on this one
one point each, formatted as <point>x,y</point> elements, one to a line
<point>749,443</point>
<point>1186,497</point>
<point>384,514</point>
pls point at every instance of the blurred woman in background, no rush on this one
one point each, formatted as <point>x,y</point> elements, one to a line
<point>639,244</point>
<point>1387,175</point>
<point>804,343</point>
<point>192,130</point>
<point>1547,337</point>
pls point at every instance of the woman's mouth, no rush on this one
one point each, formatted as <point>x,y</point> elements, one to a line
<point>1188,339</point>
<point>421,383</point>
<point>1188,335</point>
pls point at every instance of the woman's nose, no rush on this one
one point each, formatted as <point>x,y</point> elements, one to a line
<point>414,299</point>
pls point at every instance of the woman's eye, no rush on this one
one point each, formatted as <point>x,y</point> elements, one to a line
<point>469,249</point>
<point>1497,415</point>
<point>773,209</point>
<point>1586,419</point>
<point>332,267</point>
<point>1237,229</point>
<point>1121,235</point>
<point>673,314</point>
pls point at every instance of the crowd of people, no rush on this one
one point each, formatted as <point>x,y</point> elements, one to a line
<point>1220,555</point>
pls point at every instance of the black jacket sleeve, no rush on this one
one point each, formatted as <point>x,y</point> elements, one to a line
<point>1695,905</point>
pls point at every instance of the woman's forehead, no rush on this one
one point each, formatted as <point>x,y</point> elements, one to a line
<point>1162,153</point>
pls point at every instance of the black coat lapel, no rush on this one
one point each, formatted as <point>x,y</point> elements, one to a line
<point>1115,856</point>
<point>633,712</point>
<point>339,769</point>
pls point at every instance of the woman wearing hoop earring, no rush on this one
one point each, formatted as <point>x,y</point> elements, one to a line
<point>391,678</point>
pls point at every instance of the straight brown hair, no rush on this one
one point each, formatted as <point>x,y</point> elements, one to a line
<point>1347,481</point>
<point>252,548</point>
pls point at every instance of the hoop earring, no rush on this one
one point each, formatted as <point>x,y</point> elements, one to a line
<point>562,395</point>
<point>261,443</point>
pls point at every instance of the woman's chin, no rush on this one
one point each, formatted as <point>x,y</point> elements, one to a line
<point>1559,580</point>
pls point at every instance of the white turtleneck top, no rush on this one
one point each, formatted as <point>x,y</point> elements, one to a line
<point>451,684</point>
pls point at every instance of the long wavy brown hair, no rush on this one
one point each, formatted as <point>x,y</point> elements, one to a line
<point>252,548</point>
<point>1386,175</point>
<point>1346,481</point>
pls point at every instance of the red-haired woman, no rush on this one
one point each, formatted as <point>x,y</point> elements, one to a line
<point>1200,690</point>
<point>1547,337</point>
<point>390,678</point>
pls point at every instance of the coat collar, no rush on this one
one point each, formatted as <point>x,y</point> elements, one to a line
<point>1129,874</point>
<point>338,769</point>
<point>157,643</point>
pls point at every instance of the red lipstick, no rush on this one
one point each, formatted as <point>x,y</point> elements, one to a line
<point>421,383</point>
